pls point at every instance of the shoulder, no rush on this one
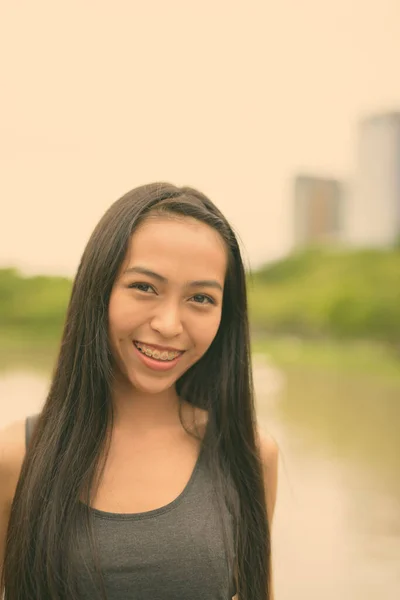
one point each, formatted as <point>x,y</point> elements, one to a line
<point>269,454</point>
<point>12,454</point>
<point>269,451</point>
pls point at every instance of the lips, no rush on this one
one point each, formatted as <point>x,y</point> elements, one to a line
<point>155,359</point>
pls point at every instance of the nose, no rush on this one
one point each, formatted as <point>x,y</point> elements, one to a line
<point>167,320</point>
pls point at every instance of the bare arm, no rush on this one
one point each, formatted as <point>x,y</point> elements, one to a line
<point>269,456</point>
<point>12,452</point>
<point>4,516</point>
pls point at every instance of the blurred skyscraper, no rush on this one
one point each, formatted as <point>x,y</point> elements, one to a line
<point>373,211</point>
<point>317,210</point>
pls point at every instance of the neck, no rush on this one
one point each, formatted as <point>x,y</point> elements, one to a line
<point>136,410</point>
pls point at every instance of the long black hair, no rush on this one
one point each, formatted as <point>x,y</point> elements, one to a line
<point>66,457</point>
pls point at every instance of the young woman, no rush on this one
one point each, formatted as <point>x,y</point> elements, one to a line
<point>145,475</point>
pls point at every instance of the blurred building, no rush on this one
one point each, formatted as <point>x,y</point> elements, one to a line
<point>373,213</point>
<point>318,209</point>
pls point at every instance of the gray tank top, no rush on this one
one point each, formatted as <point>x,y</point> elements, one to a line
<point>176,552</point>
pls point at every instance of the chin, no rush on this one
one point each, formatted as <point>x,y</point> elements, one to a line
<point>152,385</point>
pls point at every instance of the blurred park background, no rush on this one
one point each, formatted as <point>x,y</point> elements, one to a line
<point>288,117</point>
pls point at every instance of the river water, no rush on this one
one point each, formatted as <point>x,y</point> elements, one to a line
<point>336,532</point>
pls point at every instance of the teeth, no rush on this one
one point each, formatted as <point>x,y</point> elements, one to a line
<point>157,354</point>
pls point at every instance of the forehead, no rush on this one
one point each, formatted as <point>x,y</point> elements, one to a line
<point>179,248</point>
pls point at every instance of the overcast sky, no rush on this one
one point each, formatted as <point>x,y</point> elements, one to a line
<point>230,97</point>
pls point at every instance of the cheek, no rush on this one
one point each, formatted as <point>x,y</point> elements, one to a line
<point>204,335</point>
<point>121,317</point>
<point>114,319</point>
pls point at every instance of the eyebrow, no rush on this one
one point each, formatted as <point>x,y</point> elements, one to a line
<point>212,283</point>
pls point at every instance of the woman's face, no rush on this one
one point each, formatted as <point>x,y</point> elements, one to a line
<point>165,306</point>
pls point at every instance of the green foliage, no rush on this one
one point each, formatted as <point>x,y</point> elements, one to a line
<point>320,293</point>
<point>327,293</point>
<point>33,305</point>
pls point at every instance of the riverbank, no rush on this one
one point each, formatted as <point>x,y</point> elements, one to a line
<point>359,358</point>
<point>370,359</point>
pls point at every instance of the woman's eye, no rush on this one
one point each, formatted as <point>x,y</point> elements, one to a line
<point>142,287</point>
<point>202,299</point>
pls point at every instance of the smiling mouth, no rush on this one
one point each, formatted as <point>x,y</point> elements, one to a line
<point>157,354</point>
